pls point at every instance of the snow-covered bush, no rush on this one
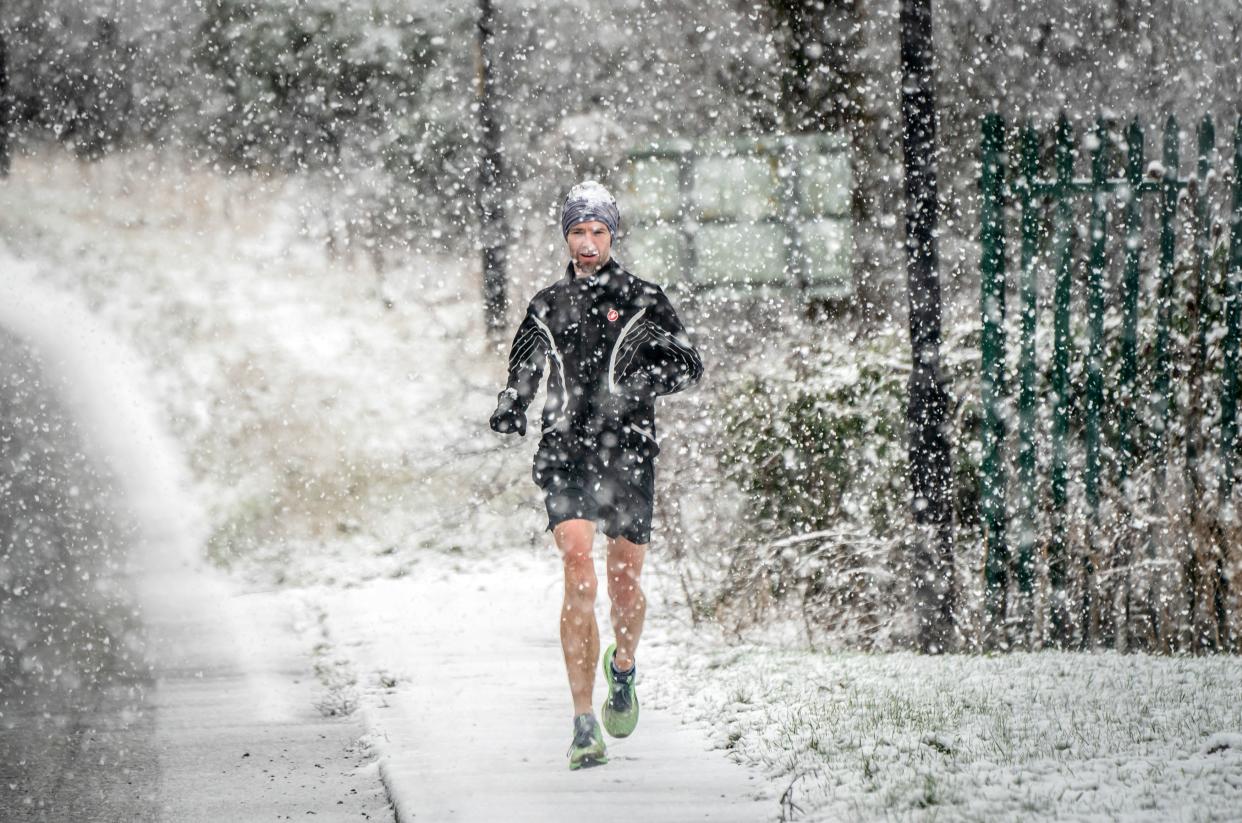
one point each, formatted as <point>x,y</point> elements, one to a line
<point>71,77</point>
<point>822,468</point>
<point>827,452</point>
<point>821,462</point>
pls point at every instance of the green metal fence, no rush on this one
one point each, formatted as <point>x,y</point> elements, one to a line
<point>1106,400</point>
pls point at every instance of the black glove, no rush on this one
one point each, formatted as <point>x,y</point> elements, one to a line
<point>508,418</point>
<point>637,386</point>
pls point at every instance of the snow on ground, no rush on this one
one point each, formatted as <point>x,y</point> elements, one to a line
<point>340,450</point>
<point>459,671</point>
<point>1038,736</point>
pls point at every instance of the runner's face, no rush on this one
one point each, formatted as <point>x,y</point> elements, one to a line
<point>590,245</point>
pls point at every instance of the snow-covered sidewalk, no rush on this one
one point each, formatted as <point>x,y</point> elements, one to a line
<point>464,692</point>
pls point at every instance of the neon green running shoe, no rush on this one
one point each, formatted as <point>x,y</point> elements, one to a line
<point>588,747</point>
<point>621,705</point>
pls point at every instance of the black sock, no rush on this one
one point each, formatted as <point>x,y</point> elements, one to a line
<point>617,674</point>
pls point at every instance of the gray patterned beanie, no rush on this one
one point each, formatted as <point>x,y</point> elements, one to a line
<point>589,201</point>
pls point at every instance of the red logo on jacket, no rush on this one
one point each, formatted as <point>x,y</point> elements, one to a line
<point>613,315</point>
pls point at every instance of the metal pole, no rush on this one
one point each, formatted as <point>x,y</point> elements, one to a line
<point>1200,588</point>
<point>1027,369</point>
<point>1095,372</point>
<point>1130,295</point>
<point>1164,294</point>
<point>1120,583</point>
<point>1163,378</point>
<point>992,374</point>
<point>1058,550</point>
<point>1198,317</point>
<point>1095,314</point>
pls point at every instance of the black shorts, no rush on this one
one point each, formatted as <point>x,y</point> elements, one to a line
<point>613,485</point>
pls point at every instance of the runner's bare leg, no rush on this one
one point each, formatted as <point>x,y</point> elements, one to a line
<point>579,631</point>
<point>629,605</point>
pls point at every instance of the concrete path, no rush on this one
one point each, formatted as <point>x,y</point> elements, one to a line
<point>466,697</point>
<point>223,726</point>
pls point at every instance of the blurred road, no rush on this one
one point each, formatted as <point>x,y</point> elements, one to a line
<point>142,688</point>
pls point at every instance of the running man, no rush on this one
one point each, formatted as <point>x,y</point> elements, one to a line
<point>613,344</point>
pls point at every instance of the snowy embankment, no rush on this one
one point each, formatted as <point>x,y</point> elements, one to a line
<point>340,451</point>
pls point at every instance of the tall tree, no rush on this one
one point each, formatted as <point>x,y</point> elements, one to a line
<point>493,228</point>
<point>926,412</point>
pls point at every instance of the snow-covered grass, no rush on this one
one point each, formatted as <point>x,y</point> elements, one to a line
<point>335,425</point>
<point>1047,736</point>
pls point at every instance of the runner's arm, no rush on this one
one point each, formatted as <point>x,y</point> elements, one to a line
<point>672,362</point>
<point>526,359</point>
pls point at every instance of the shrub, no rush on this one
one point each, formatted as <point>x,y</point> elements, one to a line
<point>298,81</point>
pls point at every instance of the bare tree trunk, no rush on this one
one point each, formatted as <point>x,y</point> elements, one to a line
<point>493,228</point>
<point>931,560</point>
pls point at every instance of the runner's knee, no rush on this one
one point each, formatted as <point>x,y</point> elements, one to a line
<point>579,571</point>
<point>625,563</point>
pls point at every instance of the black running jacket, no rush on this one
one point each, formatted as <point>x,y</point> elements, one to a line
<point>613,343</point>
